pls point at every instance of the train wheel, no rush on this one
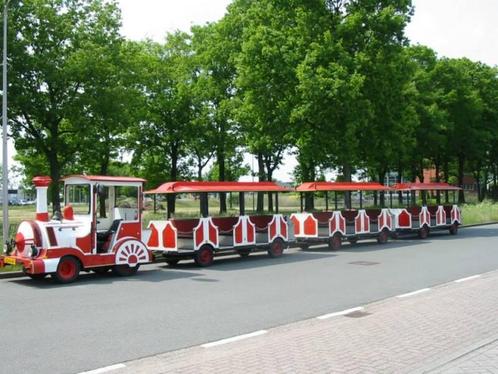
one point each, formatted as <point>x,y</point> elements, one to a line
<point>353,241</point>
<point>172,262</point>
<point>383,237</point>
<point>454,229</point>
<point>36,276</point>
<point>276,248</point>
<point>423,233</point>
<point>101,270</point>
<point>204,256</point>
<point>335,242</point>
<point>304,246</point>
<point>68,270</point>
<point>125,270</point>
<point>244,253</point>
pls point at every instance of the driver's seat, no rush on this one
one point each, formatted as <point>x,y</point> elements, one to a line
<point>104,239</point>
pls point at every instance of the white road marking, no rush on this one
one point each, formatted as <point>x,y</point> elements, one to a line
<point>234,339</point>
<point>468,278</point>
<point>104,369</point>
<point>341,313</point>
<point>414,293</point>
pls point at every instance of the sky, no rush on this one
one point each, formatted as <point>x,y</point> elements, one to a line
<point>453,28</point>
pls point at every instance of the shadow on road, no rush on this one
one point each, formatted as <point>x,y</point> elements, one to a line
<point>256,260</point>
<point>145,274</point>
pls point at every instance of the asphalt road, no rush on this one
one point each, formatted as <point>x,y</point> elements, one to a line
<point>102,320</point>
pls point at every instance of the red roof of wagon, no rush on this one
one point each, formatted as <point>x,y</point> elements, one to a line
<point>105,178</point>
<point>191,187</point>
<point>341,186</point>
<point>425,187</point>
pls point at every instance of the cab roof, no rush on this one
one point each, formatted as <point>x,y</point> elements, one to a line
<point>196,187</point>
<point>425,187</point>
<point>341,186</point>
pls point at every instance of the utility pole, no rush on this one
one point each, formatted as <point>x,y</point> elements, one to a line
<point>5,167</point>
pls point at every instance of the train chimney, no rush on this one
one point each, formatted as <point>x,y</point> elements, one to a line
<point>41,184</point>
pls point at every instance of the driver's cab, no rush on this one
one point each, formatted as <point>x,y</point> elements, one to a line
<point>105,209</point>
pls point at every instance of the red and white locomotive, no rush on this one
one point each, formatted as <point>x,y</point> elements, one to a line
<point>100,229</point>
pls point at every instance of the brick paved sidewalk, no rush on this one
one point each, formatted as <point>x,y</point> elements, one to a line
<point>452,328</point>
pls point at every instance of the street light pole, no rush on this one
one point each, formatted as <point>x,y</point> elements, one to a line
<point>5,169</point>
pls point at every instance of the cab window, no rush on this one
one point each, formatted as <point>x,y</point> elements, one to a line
<point>79,197</point>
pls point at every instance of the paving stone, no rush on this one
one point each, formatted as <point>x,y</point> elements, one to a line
<point>416,334</point>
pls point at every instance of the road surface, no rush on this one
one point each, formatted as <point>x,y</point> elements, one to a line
<point>102,320</point>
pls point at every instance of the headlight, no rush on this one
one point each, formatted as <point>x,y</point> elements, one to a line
<point>20,242</point>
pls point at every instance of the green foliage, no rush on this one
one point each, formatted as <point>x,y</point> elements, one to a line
<point>54,53</point>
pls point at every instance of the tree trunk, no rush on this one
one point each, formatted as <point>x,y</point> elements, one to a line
<point>199,168</point>
<point>399,179</point>
<point>269,174</point>
<point>347,174</point>
<point>477,176</point>
<point>446,172</point>
<point>382,175</point>
<point>461,165</point>
<point>495,182</point>
<point>173,175</point>
<point>104,168</point>
<point>55,174</point>
<point>261,177</point>
<point>222,177</point>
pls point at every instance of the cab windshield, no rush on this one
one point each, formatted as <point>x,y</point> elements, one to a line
<point>78,196</point>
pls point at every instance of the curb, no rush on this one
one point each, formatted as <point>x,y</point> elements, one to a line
<point>11,274</point>
<point>479,224</point>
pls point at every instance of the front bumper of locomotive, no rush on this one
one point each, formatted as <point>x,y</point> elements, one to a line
<point>30,265</point>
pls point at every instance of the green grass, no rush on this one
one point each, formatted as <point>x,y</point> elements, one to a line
<point>479,213</point>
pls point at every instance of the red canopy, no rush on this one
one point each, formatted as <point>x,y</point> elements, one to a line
<point>425,187</point>
<point>341,186</point>
<point>191,187</point>
<point>105,178</point>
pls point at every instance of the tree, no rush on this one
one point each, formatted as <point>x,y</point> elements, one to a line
<point>47,78</point>
<point>459,96</point>
<point>216,83</point>
<point>160,140</point>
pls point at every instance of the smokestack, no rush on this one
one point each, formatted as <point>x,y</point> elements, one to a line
<point>41,184</point>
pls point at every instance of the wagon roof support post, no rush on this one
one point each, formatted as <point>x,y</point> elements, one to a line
<point>301,199</point>
<point>335,200</point>
<point>276,202</point>
<point>391,199</point>
<point>326,201</point>
<point>361,199</point>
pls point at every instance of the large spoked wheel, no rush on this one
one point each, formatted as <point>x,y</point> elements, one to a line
<point>125,270</point>
<point>101,270</point>
<point>454,229</point>
<point>172,262</point>
<point>383,237</point>
<point>335,242</point>
<point>204,257</point>
<point>68,270</point>
<point>423,232</point>
<point>276,248</point>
